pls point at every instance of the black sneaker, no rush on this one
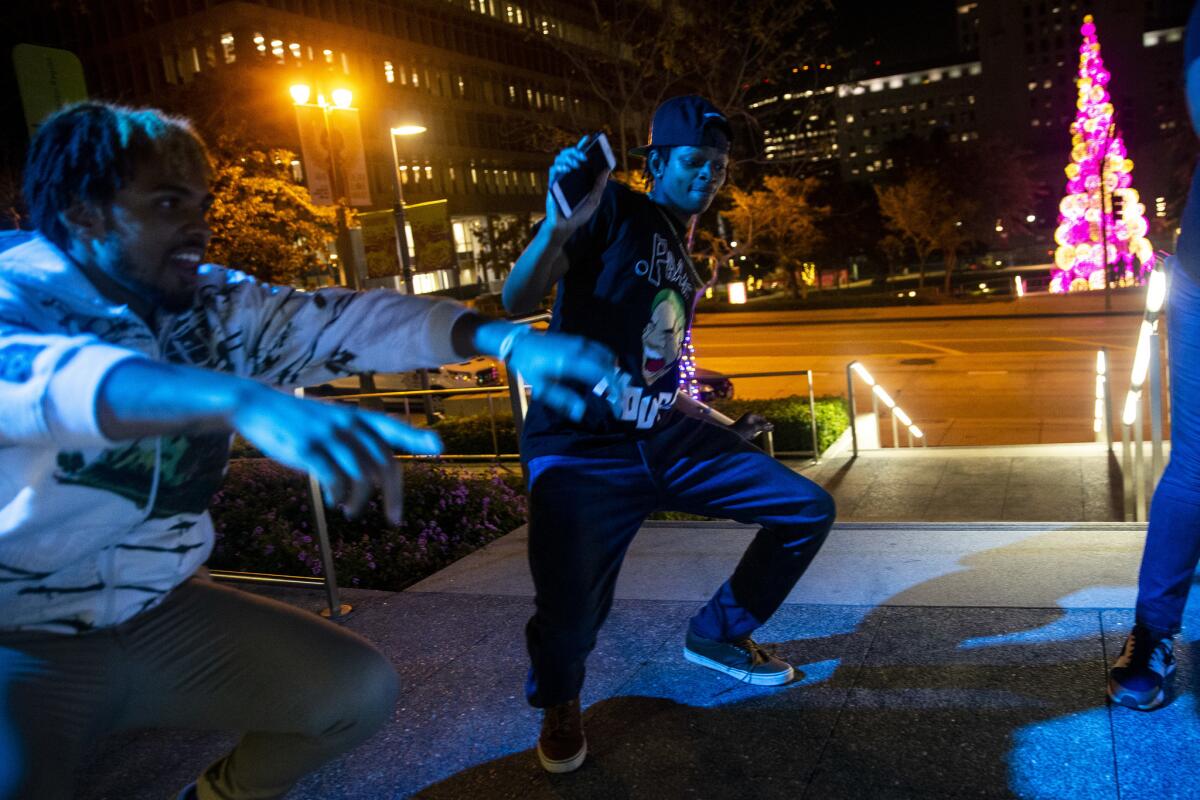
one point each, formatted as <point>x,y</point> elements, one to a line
<point>1139,678</point>
<point>745,660</point>
<point>561,747</point>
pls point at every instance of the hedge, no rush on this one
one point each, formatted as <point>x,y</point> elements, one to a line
<point>793,430</point>
<point>264,524</point>
<point>792,420</point>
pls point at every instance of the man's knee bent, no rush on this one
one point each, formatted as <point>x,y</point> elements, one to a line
<point>357,697</point>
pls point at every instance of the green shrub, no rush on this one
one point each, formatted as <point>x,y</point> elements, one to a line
<point>792,420</point>
<point>473,434</point>
<point>264,523</point>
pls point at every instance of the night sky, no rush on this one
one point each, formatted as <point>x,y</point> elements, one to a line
<point>897,32</point>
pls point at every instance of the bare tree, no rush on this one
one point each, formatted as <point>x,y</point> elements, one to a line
<point>631,63</point>
<point>741,46</point>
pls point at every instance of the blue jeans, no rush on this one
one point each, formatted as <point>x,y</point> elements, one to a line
<point>585,511</point>
<point>1173,537</point>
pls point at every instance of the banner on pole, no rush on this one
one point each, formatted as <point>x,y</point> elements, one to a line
<point>433,239</point>
<point>379,239</point>
<point>350,155</point>
<point>48,79</point>
<point>313,150</point>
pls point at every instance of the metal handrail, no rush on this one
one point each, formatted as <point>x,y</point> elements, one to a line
<point>878,394</point>
<point>812,411</point>
<point>328,579</point>
<point>1137,482</point>
<point>516,389</point>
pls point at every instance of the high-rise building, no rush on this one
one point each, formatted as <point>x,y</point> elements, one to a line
<point>1013,80</point>
<point>484,76</point>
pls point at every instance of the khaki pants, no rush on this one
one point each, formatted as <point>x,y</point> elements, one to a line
<point>300,689</point>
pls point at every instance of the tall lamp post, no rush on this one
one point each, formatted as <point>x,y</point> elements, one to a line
<point>411,128</point>
<point>342,97</point>
<point>408,129</point>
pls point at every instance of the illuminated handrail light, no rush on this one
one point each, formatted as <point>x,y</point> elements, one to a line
<point>1156,292</point>
<point>1141,358</point>
<point>1101,363</point>
<point>1129,415</point>
<point>861,371</point>
<point>884,397</point>
<point>916,432</point>
<point>904,418</point>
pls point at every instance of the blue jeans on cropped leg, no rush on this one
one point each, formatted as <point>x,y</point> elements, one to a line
<point>1173,537</point>
<point>585,511</point>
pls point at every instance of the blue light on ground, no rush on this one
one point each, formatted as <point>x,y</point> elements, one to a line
<point>1070,627</point>
<point>1051,760</point>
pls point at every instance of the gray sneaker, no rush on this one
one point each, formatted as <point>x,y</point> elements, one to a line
<point>745,660</point>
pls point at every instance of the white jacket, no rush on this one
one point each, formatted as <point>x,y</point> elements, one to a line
<point>93,532</point>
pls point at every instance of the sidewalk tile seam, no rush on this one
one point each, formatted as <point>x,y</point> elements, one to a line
<point>1112,725</point>
<point>837,717</point>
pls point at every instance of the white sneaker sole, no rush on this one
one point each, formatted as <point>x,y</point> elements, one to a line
<point>565,765</point>
<point>752,678</point>
<point>1128,700</point>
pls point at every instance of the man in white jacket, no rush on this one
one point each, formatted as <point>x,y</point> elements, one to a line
<point>124,366</point>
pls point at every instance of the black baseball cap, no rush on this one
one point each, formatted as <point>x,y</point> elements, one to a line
<point>687,121</point>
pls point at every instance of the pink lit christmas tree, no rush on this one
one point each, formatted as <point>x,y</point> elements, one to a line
<point>1101,222</point>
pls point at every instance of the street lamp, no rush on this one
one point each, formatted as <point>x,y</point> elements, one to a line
<point>410,128</point>
<point>342,97</point>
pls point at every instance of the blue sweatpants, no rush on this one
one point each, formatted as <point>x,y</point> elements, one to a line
<point>585,511</point>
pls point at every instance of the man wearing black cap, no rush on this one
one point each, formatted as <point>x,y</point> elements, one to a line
<point>625,280</point>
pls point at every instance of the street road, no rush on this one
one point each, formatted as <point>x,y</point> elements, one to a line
<point>1012,380</point>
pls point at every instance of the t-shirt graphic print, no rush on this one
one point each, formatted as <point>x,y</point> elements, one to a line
<point>629,285</point>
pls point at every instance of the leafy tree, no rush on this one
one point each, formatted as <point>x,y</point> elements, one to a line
<point>501,241</point>
<point>913,208</point>
<point>781,223</point>
<point>263,222</point>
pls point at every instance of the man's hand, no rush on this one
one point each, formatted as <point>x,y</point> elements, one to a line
<point>567,160</point>
<point>561,368</point>
<point>349,451</point>
<point>750,425</point>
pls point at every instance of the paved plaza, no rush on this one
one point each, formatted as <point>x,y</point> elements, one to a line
<point>939,660</point>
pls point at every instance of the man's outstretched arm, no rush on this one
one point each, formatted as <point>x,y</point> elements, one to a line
<point>349,451</point>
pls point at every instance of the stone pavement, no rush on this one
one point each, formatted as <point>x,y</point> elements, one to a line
<point>942,660</point>
<point>1067,482</point>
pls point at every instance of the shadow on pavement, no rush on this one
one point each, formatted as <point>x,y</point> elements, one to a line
<point>909,702</point>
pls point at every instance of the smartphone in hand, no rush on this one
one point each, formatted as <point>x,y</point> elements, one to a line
<point>571,189</point>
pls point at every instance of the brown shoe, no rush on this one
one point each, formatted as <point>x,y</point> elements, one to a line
<point>561,747</point>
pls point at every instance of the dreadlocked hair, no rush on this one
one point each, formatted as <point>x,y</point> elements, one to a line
<point>86,152</point>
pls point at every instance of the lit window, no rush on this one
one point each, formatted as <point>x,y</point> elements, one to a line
<point>260,43</point>
<point>294,47</point>
<point>328,56</point>
<point>389,72</point>
<point>277,49</point>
